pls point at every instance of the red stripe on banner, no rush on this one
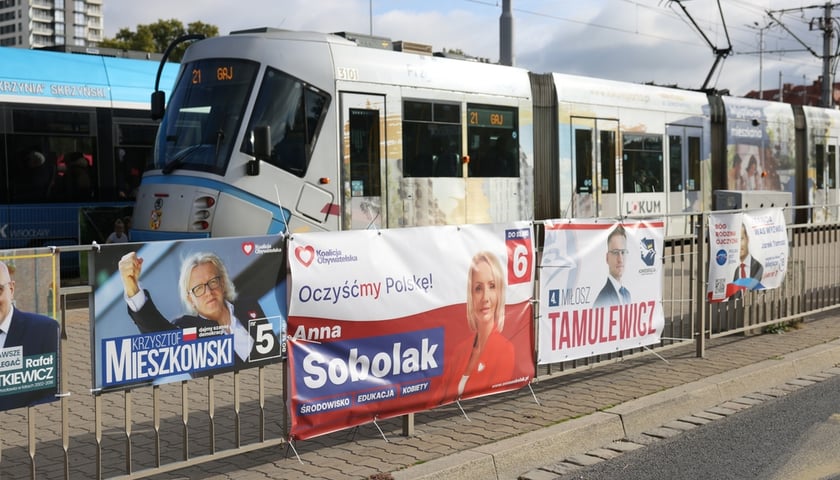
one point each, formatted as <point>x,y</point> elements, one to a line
<point>506,365</point>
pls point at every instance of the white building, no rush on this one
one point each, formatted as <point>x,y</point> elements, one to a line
<point>50,23</point>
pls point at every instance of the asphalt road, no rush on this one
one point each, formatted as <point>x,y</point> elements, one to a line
<point>794,437</point>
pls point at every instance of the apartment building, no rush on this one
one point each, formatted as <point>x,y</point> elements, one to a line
<point>51,23</point>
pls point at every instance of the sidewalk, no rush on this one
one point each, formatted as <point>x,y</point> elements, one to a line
<point>510,435</point>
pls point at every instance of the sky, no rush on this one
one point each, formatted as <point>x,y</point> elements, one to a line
<point>629,40</point>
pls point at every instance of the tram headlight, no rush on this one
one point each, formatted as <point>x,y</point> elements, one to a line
<point>205,201</point>
<point>201,225</point>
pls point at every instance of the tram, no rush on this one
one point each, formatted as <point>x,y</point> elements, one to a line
<point>75,138</point>
<point>270,131</point>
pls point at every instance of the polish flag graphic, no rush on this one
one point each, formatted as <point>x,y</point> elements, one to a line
<point>188,334</point>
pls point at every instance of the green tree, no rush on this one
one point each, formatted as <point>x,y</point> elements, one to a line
<point>155,37</point>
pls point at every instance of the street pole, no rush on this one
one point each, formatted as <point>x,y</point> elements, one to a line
<point>826,81</point>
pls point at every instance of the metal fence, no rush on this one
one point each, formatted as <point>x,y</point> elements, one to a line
<point>151,430</point>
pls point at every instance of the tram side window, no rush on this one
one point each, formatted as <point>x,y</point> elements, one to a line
<point>493,133</point>
<point>693,164</point>
<point>820,167</point>
<point>583,161</point>
<point>607,154</point>
<point>133,154</point>
<point>294,111</point>
<point>431,139</point>
<point>642,163</point>
<point>832,167</point>
<point>54,158</point>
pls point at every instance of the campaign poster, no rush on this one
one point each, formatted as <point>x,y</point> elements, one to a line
<point>173,310</point>
<point>384,323</point>
<point>30,346</point>
<point>748,251</point>
<point>600,288</point>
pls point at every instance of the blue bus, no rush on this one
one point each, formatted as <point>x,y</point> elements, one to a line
<point>76,136</point>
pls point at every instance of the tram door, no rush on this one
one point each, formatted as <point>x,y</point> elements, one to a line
<point>826,188</point>
<point>685,191</point>
<point>596,173</point>
<point>363,165</point>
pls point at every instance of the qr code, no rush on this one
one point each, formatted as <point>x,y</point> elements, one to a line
<point>720,286</point>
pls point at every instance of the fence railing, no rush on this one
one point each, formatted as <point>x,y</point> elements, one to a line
<point>151,430</point>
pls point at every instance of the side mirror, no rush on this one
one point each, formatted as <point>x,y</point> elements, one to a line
<point>262,149</point>
<point>158,104</point>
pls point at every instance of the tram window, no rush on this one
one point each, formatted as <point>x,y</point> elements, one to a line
<point>583,161</point>
<point>832,167</point>
<point>693,182</point>
<point>642,163</point>
<point>493,133</point>
<point>364,152</point>
<point>52,121</point>
<point>52,156</point>
<point>133,154</point>
<point>820,158</point>
<point>608,162</point>
<point>431,139</point>
<point>294,111</point>
<point>675,167</point>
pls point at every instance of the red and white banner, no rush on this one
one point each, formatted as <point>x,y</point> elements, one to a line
<point>384,323</point>
<point>600,288</point>
<point>748,251</point>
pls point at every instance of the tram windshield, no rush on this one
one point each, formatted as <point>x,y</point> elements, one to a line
<point>204,115</point>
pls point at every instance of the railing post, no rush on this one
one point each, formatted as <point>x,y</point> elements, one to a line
<point>700,288</point>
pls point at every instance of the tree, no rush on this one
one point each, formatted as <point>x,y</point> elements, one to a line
<point>155,37</point>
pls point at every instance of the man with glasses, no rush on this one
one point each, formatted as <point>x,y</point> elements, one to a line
<point>614,293</point>
<point>36,335</point>
<point>210,299</point>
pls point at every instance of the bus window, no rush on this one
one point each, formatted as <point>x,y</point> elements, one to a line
<point>494,141</point>
<point>642,163</point>
<point>294,112</point>
<point>431,139</point>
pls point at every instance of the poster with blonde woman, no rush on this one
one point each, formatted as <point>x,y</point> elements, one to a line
<point>388,322</point>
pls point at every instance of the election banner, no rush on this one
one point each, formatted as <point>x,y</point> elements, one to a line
<point>600,288</point>
<point>170,311</point>
<point>29,346</point>
<point>384,323</point>
<point>748,251</point>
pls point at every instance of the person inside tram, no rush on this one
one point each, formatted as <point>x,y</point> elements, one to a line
<point>36,179</point>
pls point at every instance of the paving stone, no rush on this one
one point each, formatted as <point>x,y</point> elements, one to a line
<point>708,415</point>
<point>583,459</point>
<point>722,411</point>
<point>662,432</point>
<point>604,453</point>
<point>562,468</point>
<point>624,446</point>
<point>680,425</point>
<point>696,420</point>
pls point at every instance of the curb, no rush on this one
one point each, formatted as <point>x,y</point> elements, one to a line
<point>509,458</point>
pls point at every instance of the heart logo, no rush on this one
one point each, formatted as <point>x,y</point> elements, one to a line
<point>248,248</point>
<point>305,255</point>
